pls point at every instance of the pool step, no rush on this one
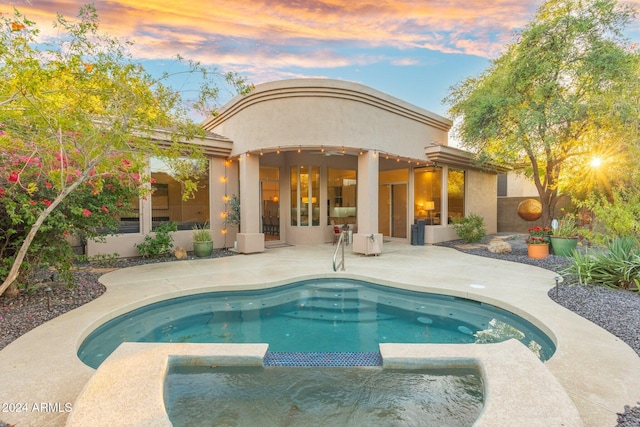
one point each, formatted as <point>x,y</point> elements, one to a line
<point>336,309</point>
<point>350,316</point>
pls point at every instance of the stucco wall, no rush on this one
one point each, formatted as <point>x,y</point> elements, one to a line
<point>481,197</point>
<point>330,113</point>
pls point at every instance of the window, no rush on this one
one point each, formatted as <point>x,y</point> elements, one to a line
<point>455,193</point>
<point>341,192</point>
<point>502,185</point>
<point>427,195</point>
<point>167,204</point>
<point>305,195</point>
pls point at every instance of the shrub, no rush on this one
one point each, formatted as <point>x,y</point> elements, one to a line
<point>202,233</point>
<point>470,228</point>
<point>160,244</point>
<point>618,216</point>
<point>617,266</point>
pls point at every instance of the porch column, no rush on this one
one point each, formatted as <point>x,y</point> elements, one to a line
<point>367,240</point>
<point>250,240</point>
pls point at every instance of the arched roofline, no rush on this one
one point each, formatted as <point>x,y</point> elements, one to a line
<point>327,88</point>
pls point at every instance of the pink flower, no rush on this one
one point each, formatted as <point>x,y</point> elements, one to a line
<point>86,212</point>
<point>104,209</point>
<point>13,177</point>
<point>48,184</point>
<point>46,202</point>
<point>32,202</point>
<point>1,192</point>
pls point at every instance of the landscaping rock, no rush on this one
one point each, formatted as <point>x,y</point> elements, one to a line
<point>499,246</point>
<point>180,253</point>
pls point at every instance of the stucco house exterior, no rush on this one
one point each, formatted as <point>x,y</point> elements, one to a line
<point>308,155</point>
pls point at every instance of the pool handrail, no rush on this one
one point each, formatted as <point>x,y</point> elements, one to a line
<point>341,244</point>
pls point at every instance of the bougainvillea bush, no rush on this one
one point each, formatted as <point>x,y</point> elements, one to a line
<point>79,117</point>
<point>31,181</point>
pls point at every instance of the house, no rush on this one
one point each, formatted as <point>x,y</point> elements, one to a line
<point>309,155</point>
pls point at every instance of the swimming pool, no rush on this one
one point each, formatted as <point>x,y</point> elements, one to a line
<point>318,315</point>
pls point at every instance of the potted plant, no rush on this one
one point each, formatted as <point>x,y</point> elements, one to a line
<point>565,235</point>
<point>202,241</point>
<point>538,242</point>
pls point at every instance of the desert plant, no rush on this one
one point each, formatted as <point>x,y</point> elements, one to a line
<point>470,228</point>
<point>567,227</point>
<point>616,266</point>
<point>202,233</point>
<point>159,244</point>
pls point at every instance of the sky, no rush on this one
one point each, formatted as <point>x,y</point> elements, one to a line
<point>414,50</point>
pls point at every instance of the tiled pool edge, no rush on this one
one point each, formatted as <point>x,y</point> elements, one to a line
<point>519,390</point>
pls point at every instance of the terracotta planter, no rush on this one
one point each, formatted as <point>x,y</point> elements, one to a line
<point>538,251</point>
<point>564,246</point>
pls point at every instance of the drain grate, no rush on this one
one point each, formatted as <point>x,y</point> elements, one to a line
<point>322,359</point>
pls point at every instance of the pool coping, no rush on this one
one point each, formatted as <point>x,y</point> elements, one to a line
<point>137,372</point>
<point>599,372</point>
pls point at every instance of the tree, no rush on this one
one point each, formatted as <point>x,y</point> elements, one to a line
<point>564,92</point>
<point>80,117</point>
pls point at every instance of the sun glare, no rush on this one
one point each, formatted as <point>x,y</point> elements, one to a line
<point>596,162</point>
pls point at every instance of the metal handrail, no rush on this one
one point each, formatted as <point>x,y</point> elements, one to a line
<point>341,243</point>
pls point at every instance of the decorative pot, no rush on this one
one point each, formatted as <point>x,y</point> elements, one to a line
<point>538,251</point>
<point>563,246</point>
<point>203,249</point>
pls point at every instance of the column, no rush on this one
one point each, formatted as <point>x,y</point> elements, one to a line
<point>250,239</point>
<point>367,240</point>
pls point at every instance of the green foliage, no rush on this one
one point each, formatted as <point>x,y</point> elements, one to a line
<point>565,91</point>
<point>202,233</point>
<point>617,266</point>
<point>615,216</point>
<point>567,226</point>
<point>233,216</point>
<point>84,212</point>
<point>471,228</point>
<point>160,244</point>
<point>538,235</point>
<point>77,112</point>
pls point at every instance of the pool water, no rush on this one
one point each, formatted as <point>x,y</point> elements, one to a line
<point>320,396</point>
<point>319,315</point>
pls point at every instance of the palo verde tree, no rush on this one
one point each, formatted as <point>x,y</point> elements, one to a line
<point>563,92</point>
<point>78,119</point>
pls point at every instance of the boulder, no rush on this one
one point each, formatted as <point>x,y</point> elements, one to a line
<point>499,246</point>
<point>180,253</point>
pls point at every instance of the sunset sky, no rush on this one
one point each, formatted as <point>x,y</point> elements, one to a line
<point>411,49</point>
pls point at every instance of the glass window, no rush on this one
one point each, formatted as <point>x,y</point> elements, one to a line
<point>305,195</point>
<point>167,204</point>
<point>427,195</point>
<point>455,193</point>
<point>341,191</point>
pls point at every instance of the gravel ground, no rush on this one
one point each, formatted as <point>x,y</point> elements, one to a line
<point>614,310</point>
<point>617,311</point>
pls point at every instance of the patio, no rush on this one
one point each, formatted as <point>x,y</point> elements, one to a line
<point>597,370</point>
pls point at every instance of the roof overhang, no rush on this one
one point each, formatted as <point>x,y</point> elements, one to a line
<point>211,144</point>
<point>451,156</point>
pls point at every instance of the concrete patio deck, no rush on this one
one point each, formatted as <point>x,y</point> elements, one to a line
<point>42,377</point>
